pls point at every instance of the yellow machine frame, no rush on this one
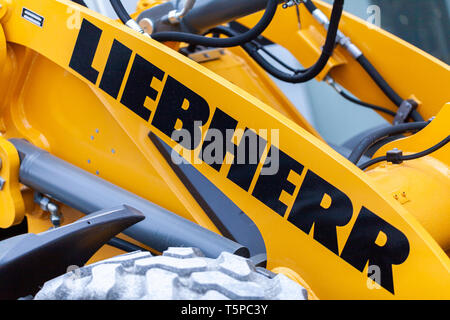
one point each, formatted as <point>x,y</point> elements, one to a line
<point>47,102</point>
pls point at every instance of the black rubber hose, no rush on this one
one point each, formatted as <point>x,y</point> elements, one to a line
<point>276,59</point>
<point>227,42</point>
<point>327,51</point>
<point>407,157</point>
<point>374,74</point>
<point>378,135</point>
<point>369,68</point>
<point>120,10</point>
<point>379,80</point>
<point>310,5</point>
<point>300,75</point>
<point>366,104</point>
<point>252,49</point>
<point>384,86</point>
<point>80,2</point>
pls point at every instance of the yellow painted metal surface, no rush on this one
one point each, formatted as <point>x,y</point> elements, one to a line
<point>12,206</point>
<point>238,68</point>
<point>422,186</point>
<point>56,108</point>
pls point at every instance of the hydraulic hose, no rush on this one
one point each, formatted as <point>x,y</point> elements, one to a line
<point>378,135</point>
<point>120,10</point>
<point>223,42</point>
<point>384,86</point>
<point>252,50</point>
<point>366,104</point>
<point>300,75</point>
<point>379,80</point>
<point>407,157</point>
<point>340,90</point>
<point>327,51</point>
<point>123,15</point>
<point>80,2</point>
<point>245,38</point>
<point>366,65</point>
<point>310,6</point>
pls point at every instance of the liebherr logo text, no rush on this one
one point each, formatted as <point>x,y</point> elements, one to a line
<point>362,247</point>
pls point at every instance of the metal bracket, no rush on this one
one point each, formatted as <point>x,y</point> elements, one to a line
<point>46,204</point>
<point>394,156</point>
<point>12,205</point>
<point>207,55</point>
<point>291,3</point>
<point>404,111</point>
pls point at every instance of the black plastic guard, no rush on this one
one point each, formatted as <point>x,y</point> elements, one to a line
<point>28,261</point>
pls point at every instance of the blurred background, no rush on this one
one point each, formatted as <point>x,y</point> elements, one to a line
<point>423,23</point>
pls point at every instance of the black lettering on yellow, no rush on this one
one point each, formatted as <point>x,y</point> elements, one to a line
<point>220,124</point>
<point>179,103</point>
<point>170,110</point>
<point>115,69</point>
<point>84,51</point>
<point>361,247</point>
<point>138,86</point>
<point>247,156</point>
<point>268,188</point>
<point>307,210</point>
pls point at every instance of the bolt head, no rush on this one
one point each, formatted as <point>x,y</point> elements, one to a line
<point>147,25</point>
